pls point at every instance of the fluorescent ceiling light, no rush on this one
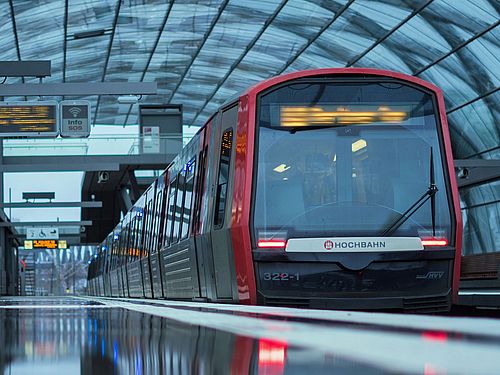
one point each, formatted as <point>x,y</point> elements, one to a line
<point>281,168</point>
<point>358,145</point>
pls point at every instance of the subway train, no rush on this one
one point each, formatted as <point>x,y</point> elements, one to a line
<point>329,188</point>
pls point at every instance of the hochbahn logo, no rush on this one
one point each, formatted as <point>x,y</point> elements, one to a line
<point>329,245</point>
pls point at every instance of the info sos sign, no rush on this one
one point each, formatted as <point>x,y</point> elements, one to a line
<point>75,118</point>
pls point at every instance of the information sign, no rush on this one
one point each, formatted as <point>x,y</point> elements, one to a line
<point>29,119</point>
<point>44,244</point>
<point>75,119</point>
<point>42,233</point>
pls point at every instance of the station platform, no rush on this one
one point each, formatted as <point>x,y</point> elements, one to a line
<point>73,335</point>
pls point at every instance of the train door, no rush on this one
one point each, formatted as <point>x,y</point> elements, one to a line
<point>199,242</point>
<point>107,281</point>
<point>146,246</point>
<point>206,174</point>
<point>156,239</point>
<point>222,254</point>
<point>122,269</point>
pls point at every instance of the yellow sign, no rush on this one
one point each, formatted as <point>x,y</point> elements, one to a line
<point>31,119</point>
<point>44,244</point>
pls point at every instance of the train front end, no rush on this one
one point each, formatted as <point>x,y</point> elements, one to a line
<point>353,200</point>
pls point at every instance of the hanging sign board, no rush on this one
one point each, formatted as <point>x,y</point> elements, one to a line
<point>42,233</point>
<point>29,119</point>
<point>75,118</point>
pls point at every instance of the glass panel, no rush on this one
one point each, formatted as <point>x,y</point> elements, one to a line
<point>471,72</point>
<point>7,42</point>
<point>170,212</point>
<point>437,29</point>
<point>361,158</point>
<point>178,208</point>
<point>186,216</point>
<point>481,216</point>
<point>358,28</point>
<point>475,129</point>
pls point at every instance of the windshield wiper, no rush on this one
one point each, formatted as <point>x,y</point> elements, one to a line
<point>429,194</point>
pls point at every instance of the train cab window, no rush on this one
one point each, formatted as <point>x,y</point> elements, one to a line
<point>347,159</point>
<point>222,181</point>
<point>178,207</point>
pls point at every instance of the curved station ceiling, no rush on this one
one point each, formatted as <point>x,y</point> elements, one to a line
<point>202,52</point>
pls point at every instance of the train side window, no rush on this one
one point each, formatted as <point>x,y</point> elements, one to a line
<point>133,238</point>
<point>222,180</point>
<point>148,228</point>
<point>138,233</point>
<point>178,207</point>
<point>200,183</point>
<point>170,212</point>
<point>157,219</point>
<point>188,197</point>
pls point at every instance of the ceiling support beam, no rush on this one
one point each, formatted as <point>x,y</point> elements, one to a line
<point>79,89</point>
<point>87,223</point>
<point>476,171</point>
<point>89,204</point>
<point>65,44</point>
<point>91,163</point>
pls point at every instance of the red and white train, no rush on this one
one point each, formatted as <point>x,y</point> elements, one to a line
<point>330,188</point>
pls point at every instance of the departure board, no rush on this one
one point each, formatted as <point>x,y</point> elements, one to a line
<point>28,119</point>
<point>44,244</point>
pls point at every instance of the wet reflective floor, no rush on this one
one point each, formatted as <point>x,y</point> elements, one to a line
<point>98,336</point>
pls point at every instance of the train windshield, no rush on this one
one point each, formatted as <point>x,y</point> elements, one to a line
<point>347,159</point>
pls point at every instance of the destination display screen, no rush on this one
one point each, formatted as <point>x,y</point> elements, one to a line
<point>44,244</point>
<point>24,119</point>
<point>327,115</point>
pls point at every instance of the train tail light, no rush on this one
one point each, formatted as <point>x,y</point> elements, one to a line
<point>434,241</point>
<point>273,244</point>
<point>272,239</point>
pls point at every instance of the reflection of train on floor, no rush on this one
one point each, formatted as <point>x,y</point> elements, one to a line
<point>326,188</point>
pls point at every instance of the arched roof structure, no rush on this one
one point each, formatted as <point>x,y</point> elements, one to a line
<point>203,51</point>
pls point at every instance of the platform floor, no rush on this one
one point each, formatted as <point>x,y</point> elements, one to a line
<point>71,335</point>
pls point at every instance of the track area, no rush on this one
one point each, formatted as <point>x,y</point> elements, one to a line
<point>98,335</point>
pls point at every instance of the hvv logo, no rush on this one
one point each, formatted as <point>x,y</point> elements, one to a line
<point>432,275</point>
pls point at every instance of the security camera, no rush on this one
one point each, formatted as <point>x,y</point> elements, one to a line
<point>102,177</point>
<point>463,173</point>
